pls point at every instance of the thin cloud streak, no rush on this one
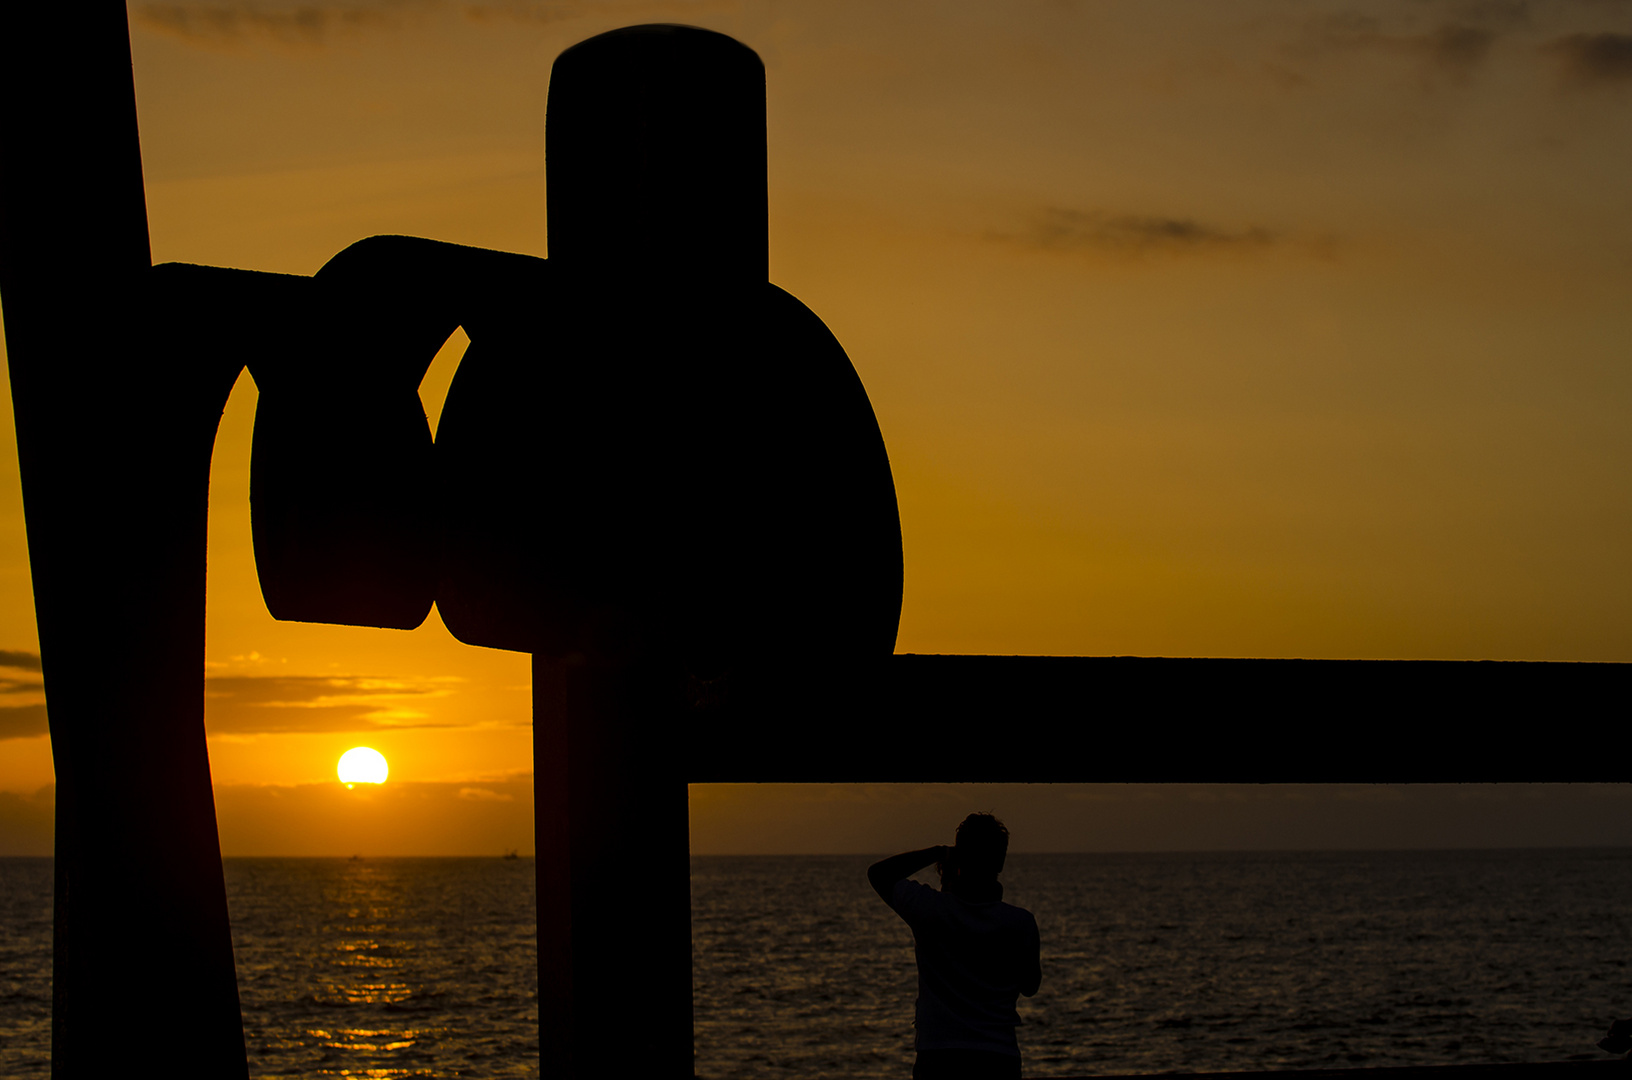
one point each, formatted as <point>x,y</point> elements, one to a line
<point>556,11</point>
<point>28,719</point>
<point>485,795</point>
<point>279,704</point>
<point>266,704</point>
<point>1058,229</point>
<point>234,25</point>
<point>1458,47</point>
<point>1454,48</point>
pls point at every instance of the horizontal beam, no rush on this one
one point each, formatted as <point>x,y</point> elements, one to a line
<point>1017,719</point>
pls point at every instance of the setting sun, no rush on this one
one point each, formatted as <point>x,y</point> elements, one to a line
<point>361,765</point>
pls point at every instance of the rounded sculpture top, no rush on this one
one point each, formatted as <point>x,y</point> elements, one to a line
<point>655,155</point>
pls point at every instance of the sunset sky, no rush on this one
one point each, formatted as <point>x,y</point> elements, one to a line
<point>1253,329</point>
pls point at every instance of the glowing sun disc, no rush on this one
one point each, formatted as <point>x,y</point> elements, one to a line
<point>360,765</point>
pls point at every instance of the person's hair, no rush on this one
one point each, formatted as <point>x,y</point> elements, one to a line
<point>982,845</point>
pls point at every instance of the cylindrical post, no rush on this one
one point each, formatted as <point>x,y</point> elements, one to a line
<point>655,146</point>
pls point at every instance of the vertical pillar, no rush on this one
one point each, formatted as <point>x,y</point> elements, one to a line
<point>614,897</point>
<point>115,449</point>
<point>572,527</point>
<point>655,146</point>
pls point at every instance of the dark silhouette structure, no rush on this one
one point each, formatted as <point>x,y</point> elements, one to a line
<point>655,472</point>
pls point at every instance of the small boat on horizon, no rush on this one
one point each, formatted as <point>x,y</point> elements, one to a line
<point>511,854</point>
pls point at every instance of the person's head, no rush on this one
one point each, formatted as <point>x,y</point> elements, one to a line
<point>982,845</point>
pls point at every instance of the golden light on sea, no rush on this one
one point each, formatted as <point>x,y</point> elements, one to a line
<point>362,765</point>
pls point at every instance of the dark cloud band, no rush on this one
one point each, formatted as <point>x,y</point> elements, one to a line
<point>22,721</point>
<point>1594,58</point>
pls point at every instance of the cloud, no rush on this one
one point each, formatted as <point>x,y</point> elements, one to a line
<point>298,25</point>
<point>8,685</point>
<point>274,704</point>
<point>234,25</point>
<point>1453,48</point>
<point>1593,59</point>
<point>485,795</point>
<point>553,11</point>
<point>266,704</point>
<point>1060,229</point>
<point>22,721</point>
<point>25,719</point>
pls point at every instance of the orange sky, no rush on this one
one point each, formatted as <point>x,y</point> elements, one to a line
<point>1266,328</point>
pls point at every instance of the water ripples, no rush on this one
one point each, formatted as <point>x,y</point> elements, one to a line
<point>386,967</point>
<point>1151,963</point>
<point>1155,963</point>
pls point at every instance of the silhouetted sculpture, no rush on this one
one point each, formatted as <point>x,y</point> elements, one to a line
<point>976,954</point>
<point>654,468</point>
<point>655,471</point>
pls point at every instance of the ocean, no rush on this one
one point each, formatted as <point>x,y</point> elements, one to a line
<point>1151,963</point>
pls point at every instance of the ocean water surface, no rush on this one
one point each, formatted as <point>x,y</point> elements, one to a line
<point>1151,963</point>
<point>386,967</point>
<point>1202,962</point>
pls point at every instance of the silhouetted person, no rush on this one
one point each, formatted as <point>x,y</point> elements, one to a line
<point>976,954</point>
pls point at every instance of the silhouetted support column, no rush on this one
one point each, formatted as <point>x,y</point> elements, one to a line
<point>114,432</point>
<point>593,462</point>
<point>614,898</point>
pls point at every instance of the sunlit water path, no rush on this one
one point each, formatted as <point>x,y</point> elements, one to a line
<point>427,967</point>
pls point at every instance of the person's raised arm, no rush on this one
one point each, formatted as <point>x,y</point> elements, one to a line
<point>883,875</point>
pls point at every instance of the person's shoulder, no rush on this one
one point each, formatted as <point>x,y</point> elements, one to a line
<point>909,894</point>
<point>1014,913</point>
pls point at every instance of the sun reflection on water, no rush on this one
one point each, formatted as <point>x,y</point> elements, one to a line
<point>389,967</point>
